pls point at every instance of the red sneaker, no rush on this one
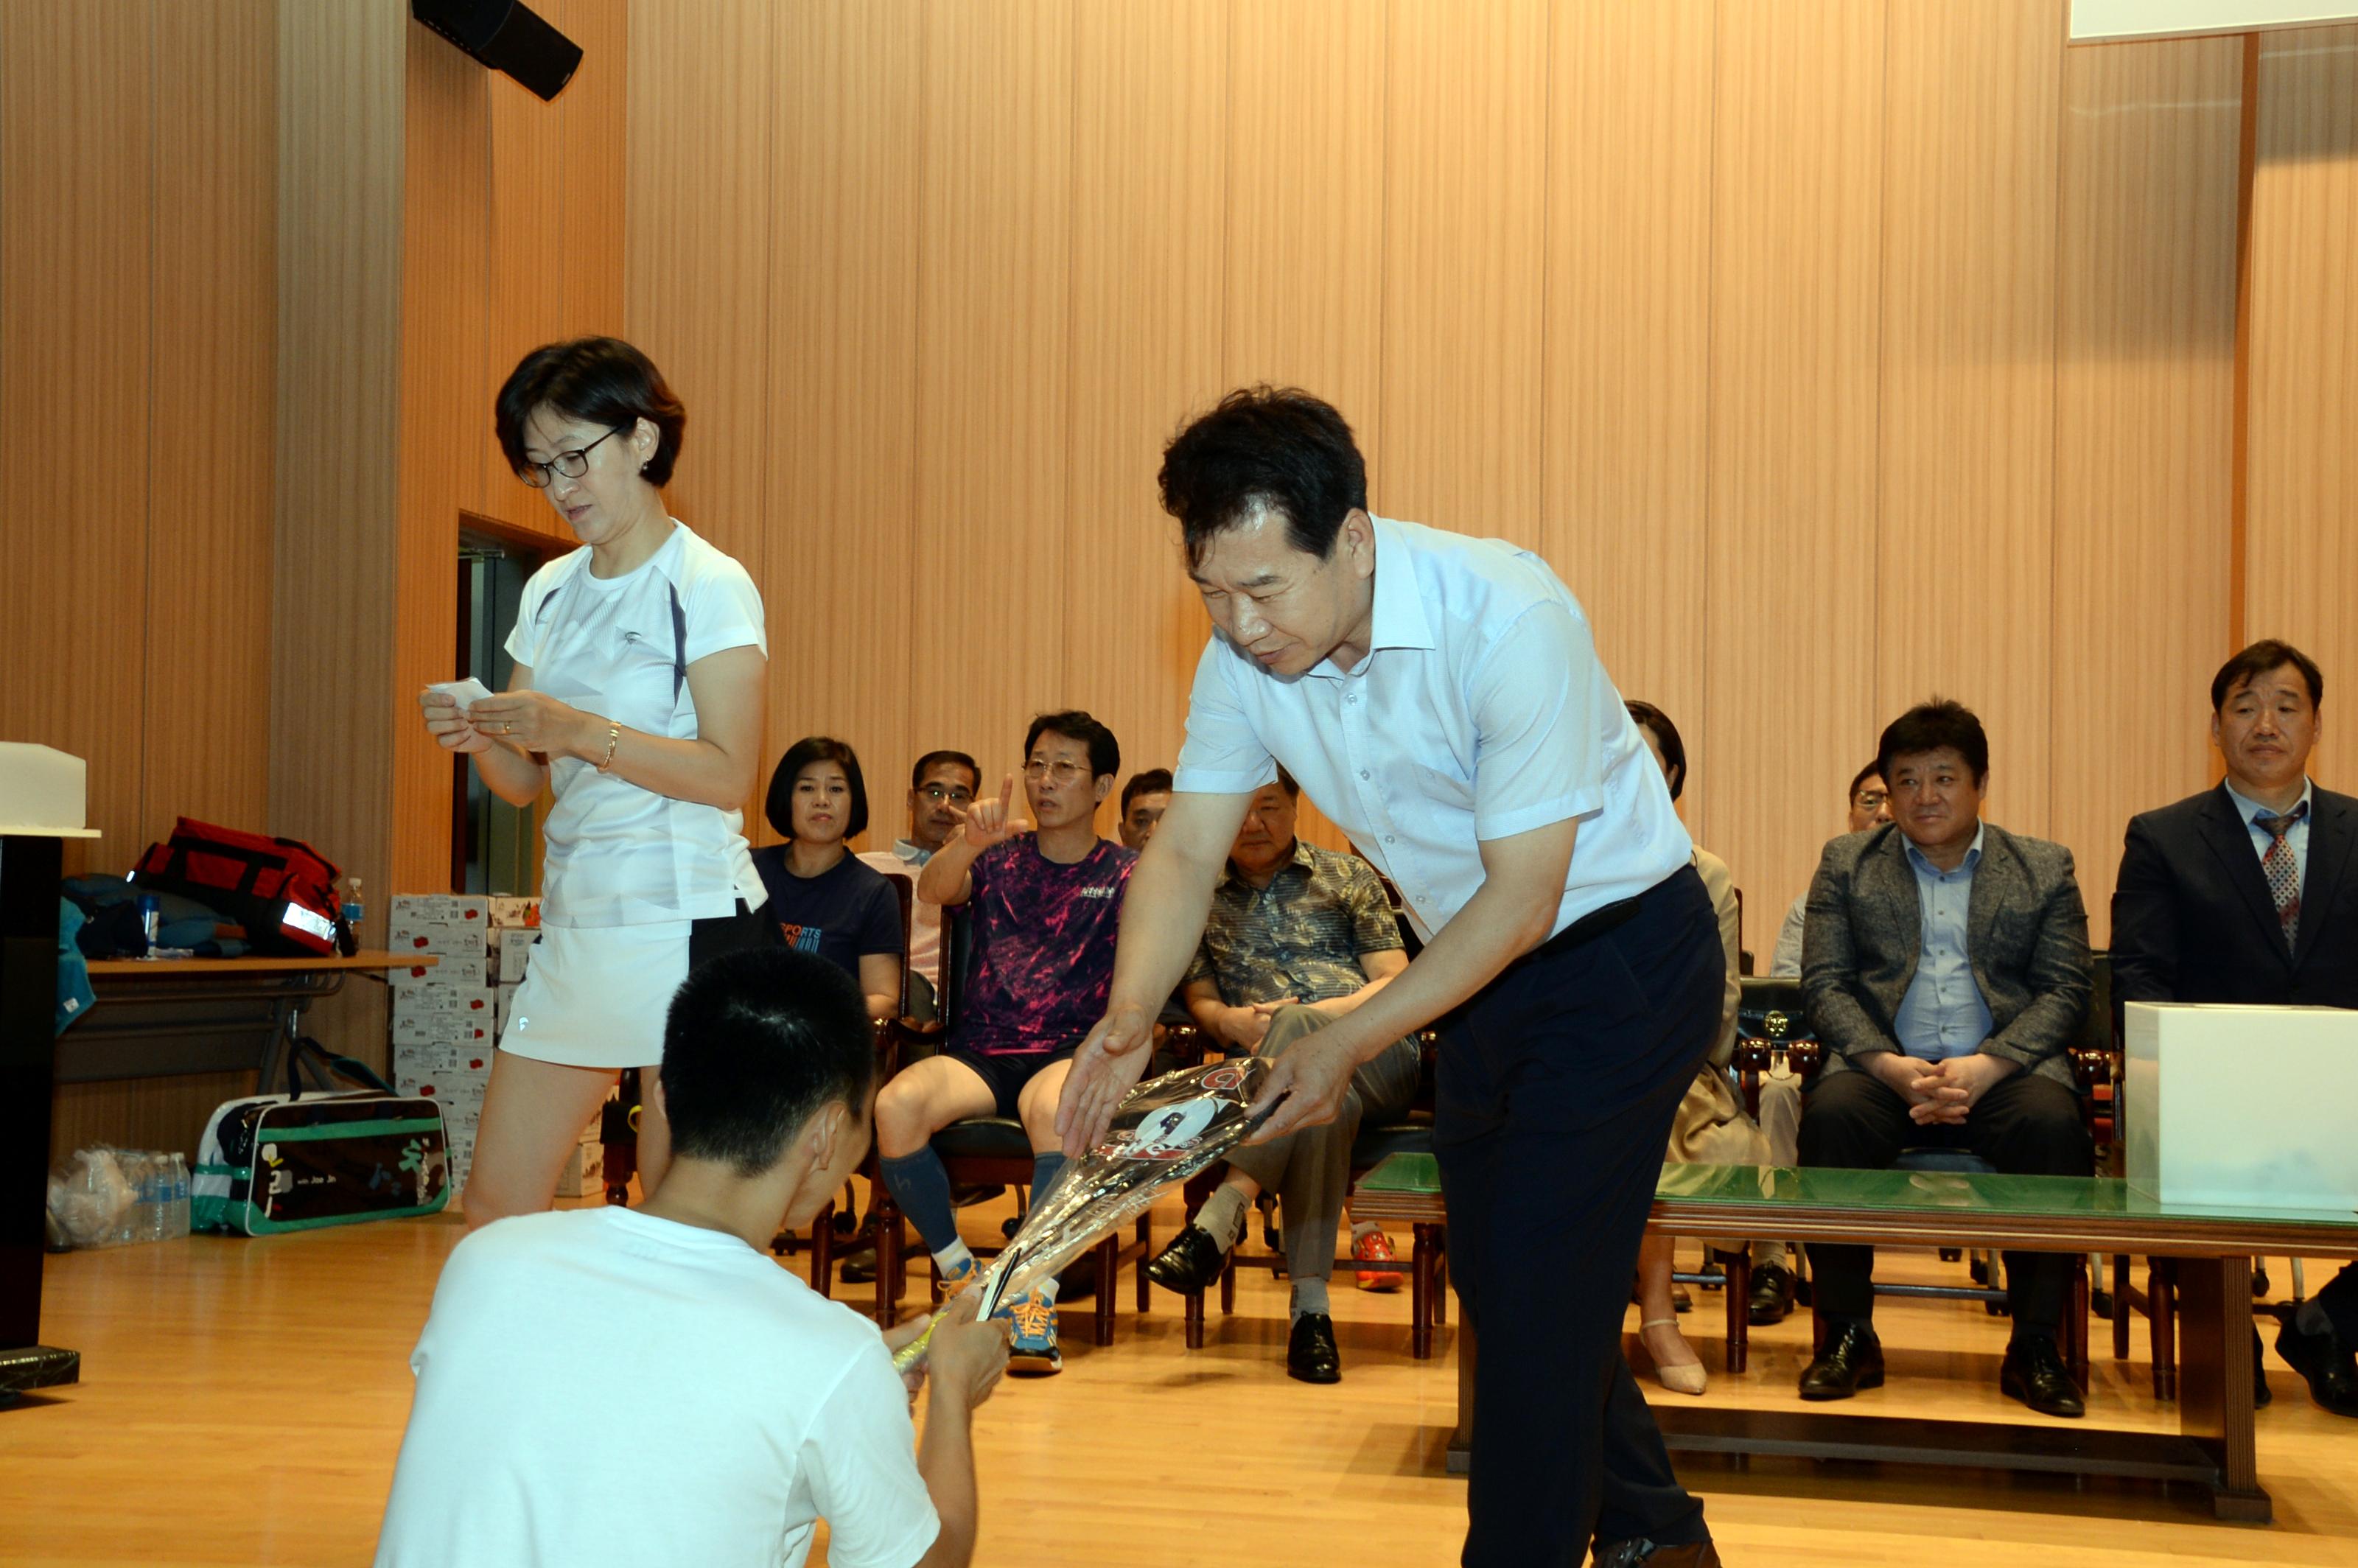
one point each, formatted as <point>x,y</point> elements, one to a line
<point>1374,1246</point>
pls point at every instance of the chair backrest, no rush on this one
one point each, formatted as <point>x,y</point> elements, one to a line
<point>905,888</point>
<point>957,962</point>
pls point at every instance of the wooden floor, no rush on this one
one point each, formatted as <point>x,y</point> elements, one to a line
<point>242,1402</point>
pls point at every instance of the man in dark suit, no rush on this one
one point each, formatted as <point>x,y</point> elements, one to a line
<point>1945,966</point>
<point>2249,894</point>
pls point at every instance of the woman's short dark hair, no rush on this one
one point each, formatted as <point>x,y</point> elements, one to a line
<point>1928,727</point>
<point>933,759</point>
<point>757,1042</point>
<point>1154,781</point>
<point>1265,449</point>
<point>779,807</point>
<point>1665,736</point>
<point>1104,751</point>
<point>599,380</point>
<point>2258,660</point>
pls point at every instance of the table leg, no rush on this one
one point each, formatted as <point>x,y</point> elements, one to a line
<point>1461,1441</point>
<point>1739,1291</point>
<point>2214,1379</point>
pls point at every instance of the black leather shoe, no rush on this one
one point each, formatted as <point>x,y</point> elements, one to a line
<point>1643,1553</point>
<point>1310,1355</point>
<point>1853,1360</point>
<point>1772,1293</point>
<point>2035,1374</point>
<point>2326,1362</point>
<point>1191,1264</point>
<point>2260,1395</point>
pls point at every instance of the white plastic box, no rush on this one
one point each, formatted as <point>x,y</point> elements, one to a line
<point>2242,1107</point>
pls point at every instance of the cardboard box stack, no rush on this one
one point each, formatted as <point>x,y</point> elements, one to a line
<point>516,926</point>
<point>444,1015</point>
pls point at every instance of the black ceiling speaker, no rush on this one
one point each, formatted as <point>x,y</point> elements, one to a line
<point>506,36</point>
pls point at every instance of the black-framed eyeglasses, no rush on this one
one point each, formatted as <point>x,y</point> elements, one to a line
<point>1870,799</point>
<point>572,464</point>
<point>959,795</point>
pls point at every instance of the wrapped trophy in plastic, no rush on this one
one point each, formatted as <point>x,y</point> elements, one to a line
<point>1167,1129</point>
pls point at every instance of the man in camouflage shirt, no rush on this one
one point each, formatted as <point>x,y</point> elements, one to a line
<point>1297,936</point>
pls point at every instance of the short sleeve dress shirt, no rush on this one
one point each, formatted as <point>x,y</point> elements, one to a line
<point>1480,711</point>
<point>620,647</point>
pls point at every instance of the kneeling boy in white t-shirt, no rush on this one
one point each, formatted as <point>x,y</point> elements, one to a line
<point>611,1386</point>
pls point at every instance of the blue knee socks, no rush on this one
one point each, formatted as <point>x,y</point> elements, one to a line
<point>922,1188</point>
<point>1046,1169</point>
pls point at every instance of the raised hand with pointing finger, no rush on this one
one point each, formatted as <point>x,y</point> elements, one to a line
<point>988,822</point>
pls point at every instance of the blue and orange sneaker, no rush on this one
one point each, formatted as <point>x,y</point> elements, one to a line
<point>1031,1348</point>
<point>1374,1246</point>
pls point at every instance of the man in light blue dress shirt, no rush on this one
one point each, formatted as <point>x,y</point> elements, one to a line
<point>1946,969</point>
<point>1441,699</point>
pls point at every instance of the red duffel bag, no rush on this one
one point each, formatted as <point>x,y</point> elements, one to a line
<point>281,890</point>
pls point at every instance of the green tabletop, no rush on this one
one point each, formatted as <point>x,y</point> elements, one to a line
<point>1918,1192</point>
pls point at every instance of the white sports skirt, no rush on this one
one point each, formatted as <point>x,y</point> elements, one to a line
<point>597,996</point>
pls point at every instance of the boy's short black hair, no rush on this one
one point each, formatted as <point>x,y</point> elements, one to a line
<point>1928,727</point>
<point>599,381</point>
<point>778,805</point>
<point>933,759</point>
<point>1154,781</point>
<point>1265,449</point>
<point>2258,660</point>
<point>756,1042</point>
<point>1665,736</point>
<point>1104,751</point>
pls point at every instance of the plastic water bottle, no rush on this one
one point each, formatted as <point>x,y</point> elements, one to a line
<point>151,923</point>
<point>353,906</point>
<point>176,1209</point>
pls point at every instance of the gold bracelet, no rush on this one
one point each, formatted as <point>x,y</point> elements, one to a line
<point>613,739</point>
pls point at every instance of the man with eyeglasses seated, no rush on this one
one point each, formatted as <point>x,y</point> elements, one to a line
<point>1144,801</point>
<point>1870,804</point>
<point>1946,971</point>
<point>1046,895</point>
<point>941,785</point>
<point>1297,937</point>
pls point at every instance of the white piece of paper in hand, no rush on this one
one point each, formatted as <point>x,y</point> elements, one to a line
<point>465,693</point>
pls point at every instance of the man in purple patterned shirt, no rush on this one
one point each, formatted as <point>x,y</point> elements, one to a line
<point>1045,910</point>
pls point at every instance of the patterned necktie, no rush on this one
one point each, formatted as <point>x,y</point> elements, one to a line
<point>2282,871</point>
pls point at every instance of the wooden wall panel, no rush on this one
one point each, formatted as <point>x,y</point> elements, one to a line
<point>841,503</point>
<point>697,292</point>
<point>1796,229</point>
<point>333,684</point>
<point>2301,536</point>
<point>76,252</point>
<point>1964,563</point>
<point>211,403</point>
<point>1464,234</point>
<point>1147,200</point>
<point>450,291</point>
<point>1303,302</point>
<point>593,117</point>
<point>993,590</point>
<point>2145,354</point>
<point>1626,366</point>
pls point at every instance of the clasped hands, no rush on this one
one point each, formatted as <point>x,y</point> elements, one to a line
<point>1940,1093</point>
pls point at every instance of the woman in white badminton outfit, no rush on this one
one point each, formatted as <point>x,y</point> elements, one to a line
<point>637,698</point>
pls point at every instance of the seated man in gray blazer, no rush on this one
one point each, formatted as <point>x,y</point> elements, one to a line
<point>1945,966</point>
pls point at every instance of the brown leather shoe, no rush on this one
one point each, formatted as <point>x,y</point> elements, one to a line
<point>1641,1551</point>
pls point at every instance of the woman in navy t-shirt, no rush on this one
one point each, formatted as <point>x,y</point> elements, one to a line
<point>823,898</point>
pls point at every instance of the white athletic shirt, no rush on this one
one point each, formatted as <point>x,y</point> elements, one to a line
<point>601,1389</point>
<point>620,647</point>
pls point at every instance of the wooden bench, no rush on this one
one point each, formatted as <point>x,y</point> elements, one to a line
<point>2213,1445</point>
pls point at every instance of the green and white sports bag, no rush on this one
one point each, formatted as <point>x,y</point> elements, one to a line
<point>272,1163</point>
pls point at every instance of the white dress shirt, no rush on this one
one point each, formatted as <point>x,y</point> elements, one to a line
<point>1480,711</point>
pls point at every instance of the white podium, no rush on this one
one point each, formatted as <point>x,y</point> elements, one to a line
<point>2243,1107</point>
